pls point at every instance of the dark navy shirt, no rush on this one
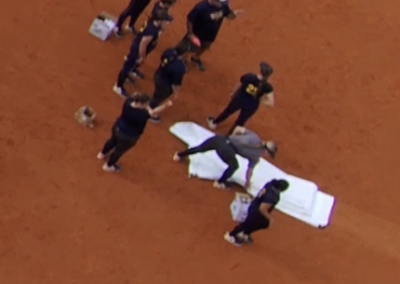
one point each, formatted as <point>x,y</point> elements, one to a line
<point>157,6</point>
<point>148,29</point>
<point>207,19</point>
<point>250,86</point>
<point>171,70</point>
<point>269,196</point>
<point>132,121</point>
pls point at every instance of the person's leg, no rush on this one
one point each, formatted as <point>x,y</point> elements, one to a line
<point>228,155</point>
<point>207,145</point>
<point>109,145</point>
<point>124,15</point>
<point>245,114</point>
<point>161,93</point>
<point>124,144</point>
<point>196,59</point>
<point>123,75</point>
<point>137,10</point>
<point>257,222</point>
<point>233,106</point>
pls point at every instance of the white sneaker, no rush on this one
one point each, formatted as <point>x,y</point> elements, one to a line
<point>216,184</point>
<point>176,157</point>
<point>100,156</point>
<point>114,168</point>
<point>211,124</point>
<point>121,92</point>
<point>232,240</point>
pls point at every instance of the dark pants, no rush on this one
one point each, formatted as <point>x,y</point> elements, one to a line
<point>255,221</point>
<point>248,106</point>
<point>130,65</point>
<point>134,9</point>
<point>225,152</point>
<point>162,91</point>
<point>119,144</point>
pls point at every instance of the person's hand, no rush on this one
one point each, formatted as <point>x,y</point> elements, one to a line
<point>169,103</point>
<point>140,60</point>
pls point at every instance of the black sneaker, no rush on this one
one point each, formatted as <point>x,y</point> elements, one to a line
<point>119,33</point>
<point>198,63</point>
<point>248,239</point>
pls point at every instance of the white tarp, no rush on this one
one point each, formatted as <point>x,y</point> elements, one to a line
<point>302,200</point>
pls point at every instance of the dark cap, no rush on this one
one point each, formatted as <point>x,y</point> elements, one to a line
<point>266,69</point>
<point>279,184</point>
<point>161,15</point>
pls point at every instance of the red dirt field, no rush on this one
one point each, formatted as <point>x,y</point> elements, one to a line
<point>63,220</point>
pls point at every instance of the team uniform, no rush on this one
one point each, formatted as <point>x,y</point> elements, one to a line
<point>206,21</point>
<point>125,133</point>
<point>248,145</point>
<point>246,100</point>
<point>149,29</point>
<point>135,9</point>
<point>170,73</point>
<point>255,220</point>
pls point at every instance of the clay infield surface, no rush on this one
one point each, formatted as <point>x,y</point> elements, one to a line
<point>63,220</point>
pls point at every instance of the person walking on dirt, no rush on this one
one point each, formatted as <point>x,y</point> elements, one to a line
<point>252,90</point>
<point>243,142</point>
<point>169,76</point>
<point>258,214</point>
<point>203,24</point>
<point>134,10</point>
<point>128,129</point>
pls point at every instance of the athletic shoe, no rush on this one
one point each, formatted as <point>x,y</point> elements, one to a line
<point>121,92</point>
<point>198,63</point>
<point>176,157</point>
<point>119,33</point>
<point>219,185</point>
<point>101,156</point>
<point>233,240</point>
<point>245,238</point>
<point>112,169</point>
<point>211,124</point>
<point>138,74</point>
<point>131,29</point>
<point>156,119</point>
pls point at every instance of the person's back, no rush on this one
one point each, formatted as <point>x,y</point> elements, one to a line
<point>248,145</point>
<point>132,121</point>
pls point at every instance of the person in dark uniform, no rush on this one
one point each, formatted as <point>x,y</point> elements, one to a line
<point>243,142</point>
<point>169,76</point>
<point>128,129</point>
<point>142,45</point>
<point>204,22</point>
<point>246,98</point>
<point>134,9</point>
<point>259,213</point>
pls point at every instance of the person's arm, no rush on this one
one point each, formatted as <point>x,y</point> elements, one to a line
<point>268,99</point>
<point>250,170</point>
<point>232,14</point>
<point>156,111</point>
<point>177,80</point>
<point>191,17</point>
<point>265,209</point>
<point>143,47</point>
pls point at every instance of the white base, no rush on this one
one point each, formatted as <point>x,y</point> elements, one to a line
<point>302,201</point>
